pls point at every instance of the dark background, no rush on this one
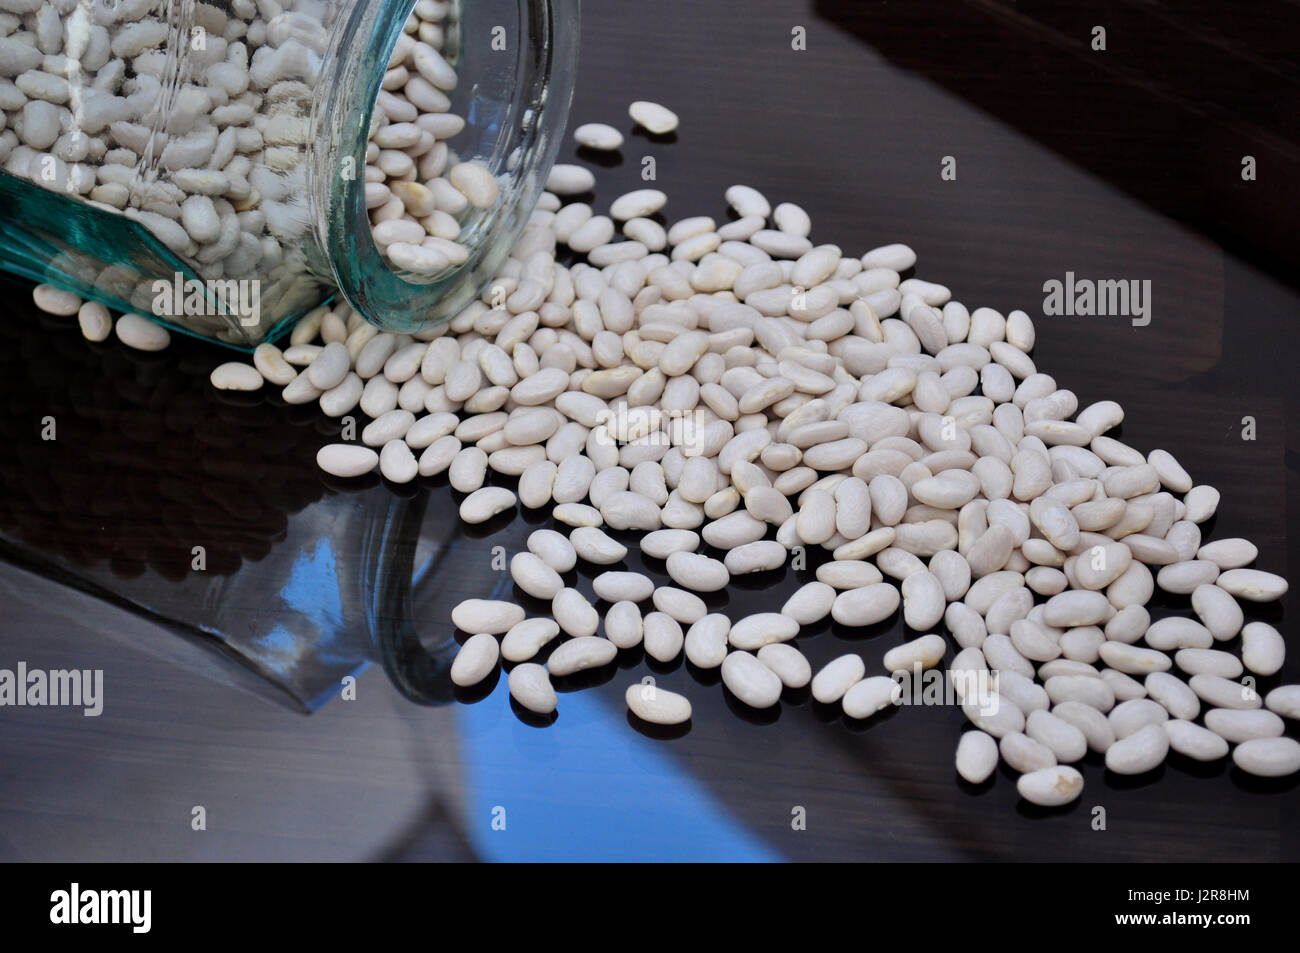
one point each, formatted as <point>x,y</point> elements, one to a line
<point>1116,164</point>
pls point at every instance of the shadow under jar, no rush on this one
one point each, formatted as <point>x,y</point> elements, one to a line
<point>206,164</point>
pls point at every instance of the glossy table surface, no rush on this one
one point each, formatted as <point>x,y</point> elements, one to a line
<point>149,462</point>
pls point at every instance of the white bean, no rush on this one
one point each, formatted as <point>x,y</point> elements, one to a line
<point>653,117</point>
<point>787,662</point>
<point>623,586</point>
<point>753,632</point>
<point>484,503</point>
<point>750,680</point>
<point>574,613</point>
<point>486,615</point>
<point>346,460</point>
<point>836,677</point>
<point>1263,650</point>
<point>580,654</point>
<point>663,637</point>
<point>530,686</point>
<point>1140,752</point>
<point>977,756</point>
<point>870,695</point>
<point>1050,786</point>
<point>525,639</point>
<point>476,660</point>
<point>706,641</point>
<point>656,705</point>
<point>1268,757</point>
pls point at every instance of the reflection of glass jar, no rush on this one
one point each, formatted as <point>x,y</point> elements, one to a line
<point>116,112</point>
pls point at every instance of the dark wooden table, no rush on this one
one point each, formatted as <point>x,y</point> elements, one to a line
<point>1056,172</point>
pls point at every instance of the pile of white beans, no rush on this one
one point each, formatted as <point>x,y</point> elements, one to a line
<point>723,384</point>
<point>216,168</point>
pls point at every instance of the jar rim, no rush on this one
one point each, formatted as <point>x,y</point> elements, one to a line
<point>351,77</point>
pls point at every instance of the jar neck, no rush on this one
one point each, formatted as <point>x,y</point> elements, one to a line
<point>516,102</point>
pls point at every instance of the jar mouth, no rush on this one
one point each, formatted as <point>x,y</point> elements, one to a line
<point>515,102</point>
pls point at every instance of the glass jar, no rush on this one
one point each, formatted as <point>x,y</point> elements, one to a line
<point>205,164</point>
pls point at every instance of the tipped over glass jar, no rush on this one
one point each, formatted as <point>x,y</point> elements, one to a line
<point>225,166</point>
